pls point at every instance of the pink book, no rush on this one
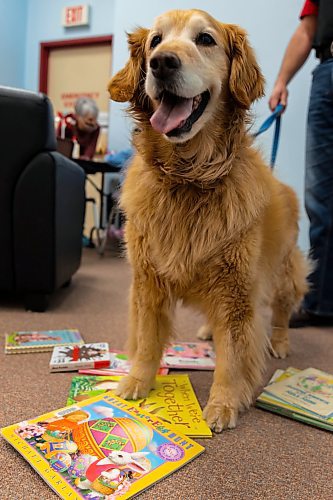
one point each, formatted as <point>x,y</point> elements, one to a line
<point>190,355</point>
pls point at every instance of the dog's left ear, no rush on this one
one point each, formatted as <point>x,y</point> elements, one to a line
<point>123,85</point>
<point>246,81</point>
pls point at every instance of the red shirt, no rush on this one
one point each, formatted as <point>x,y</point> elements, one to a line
<point>87,140</point>
<point>309,9</point>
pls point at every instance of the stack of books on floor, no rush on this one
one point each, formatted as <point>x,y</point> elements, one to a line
<point>99,446</point>
<point>303,395</point>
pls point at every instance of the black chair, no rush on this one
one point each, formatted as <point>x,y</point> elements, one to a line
<point>42,201</point>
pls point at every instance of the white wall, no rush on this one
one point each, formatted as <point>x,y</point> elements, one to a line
<point>270,24</point>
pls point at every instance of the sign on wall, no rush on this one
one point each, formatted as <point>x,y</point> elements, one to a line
<point>77,15</point>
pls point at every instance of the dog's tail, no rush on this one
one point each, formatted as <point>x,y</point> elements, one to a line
<point>300,267</point>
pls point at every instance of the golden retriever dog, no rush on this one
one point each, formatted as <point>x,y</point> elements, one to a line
<point>206,221</point>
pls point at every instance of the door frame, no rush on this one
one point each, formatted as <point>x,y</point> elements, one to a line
<point>46,47</point>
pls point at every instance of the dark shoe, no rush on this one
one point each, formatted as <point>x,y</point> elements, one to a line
<point>303,318</point>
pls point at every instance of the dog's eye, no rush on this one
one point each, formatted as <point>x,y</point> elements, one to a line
<point>155,41</point>
<point>205,39</point>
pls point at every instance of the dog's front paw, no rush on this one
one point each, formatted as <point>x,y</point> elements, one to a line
<point>204,333</point>
<point>280,348</point>
<point>132,388</point>
<point>219,416</point>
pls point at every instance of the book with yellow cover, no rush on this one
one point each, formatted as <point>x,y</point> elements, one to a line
<point>173,400</point>
<point>267,401</point>
<point>102,448</point>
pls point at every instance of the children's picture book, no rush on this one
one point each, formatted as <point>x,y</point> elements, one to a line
<point>267,401</point>
<point>309,389</point>
<point>119,365</point>
<point>103,448</point>
<point>72,357</point>
<point>189,355</point>
<point>173,400</point>
<point>181,355</point>
<point>38,341</point>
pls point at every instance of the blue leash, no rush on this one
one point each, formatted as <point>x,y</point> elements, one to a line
<point>274,117</point>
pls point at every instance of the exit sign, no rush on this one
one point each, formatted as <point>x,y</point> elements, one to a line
<point>78,15</point>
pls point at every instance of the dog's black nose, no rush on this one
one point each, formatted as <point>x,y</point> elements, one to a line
<point>164,65</point>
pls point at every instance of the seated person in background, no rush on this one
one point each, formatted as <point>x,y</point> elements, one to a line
<point>115,179</point>
<point>83,126</point>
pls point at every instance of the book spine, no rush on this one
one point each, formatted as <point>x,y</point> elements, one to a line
<point>184,366</point>
<point>38,348</point>
<point>76,365</point>
<point>295,416</point>
<point>64,367</point>
<point>30,349</point>
<point>100,372</point>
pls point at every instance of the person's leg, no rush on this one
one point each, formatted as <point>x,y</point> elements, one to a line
<point>319,192</point>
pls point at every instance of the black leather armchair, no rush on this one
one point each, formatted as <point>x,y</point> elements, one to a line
<point>42,201</point>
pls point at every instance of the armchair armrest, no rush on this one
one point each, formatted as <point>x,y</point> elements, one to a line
<point>48,214</point>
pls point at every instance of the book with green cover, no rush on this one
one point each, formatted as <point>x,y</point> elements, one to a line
<point>173,400</point>
<point>309,389</point>
<point>267,401</point>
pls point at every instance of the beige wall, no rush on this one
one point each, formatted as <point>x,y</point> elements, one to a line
<point>77,71</point>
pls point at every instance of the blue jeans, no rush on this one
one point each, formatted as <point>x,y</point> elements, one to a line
<point>319,190</point>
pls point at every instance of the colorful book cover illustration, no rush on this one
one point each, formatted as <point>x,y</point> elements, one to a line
<point>270,403</point>
<point>103,448</point>
<point>73,357</point>
<point>119,365</point>
<point>309,389</point>
<point>190,355</point>
<point>173,401</point>
<point>32,341</point>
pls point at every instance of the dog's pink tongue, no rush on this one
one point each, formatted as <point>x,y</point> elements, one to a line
<point>170,113</point>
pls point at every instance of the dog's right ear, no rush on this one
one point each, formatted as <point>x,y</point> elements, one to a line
<point>123,85</point>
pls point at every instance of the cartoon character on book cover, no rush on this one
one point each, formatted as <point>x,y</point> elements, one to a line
<point>99,450</point>
<point>317,384</point>
<point>19,338</point>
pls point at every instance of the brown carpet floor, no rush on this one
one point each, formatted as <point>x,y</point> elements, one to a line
<point>265,457</point>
